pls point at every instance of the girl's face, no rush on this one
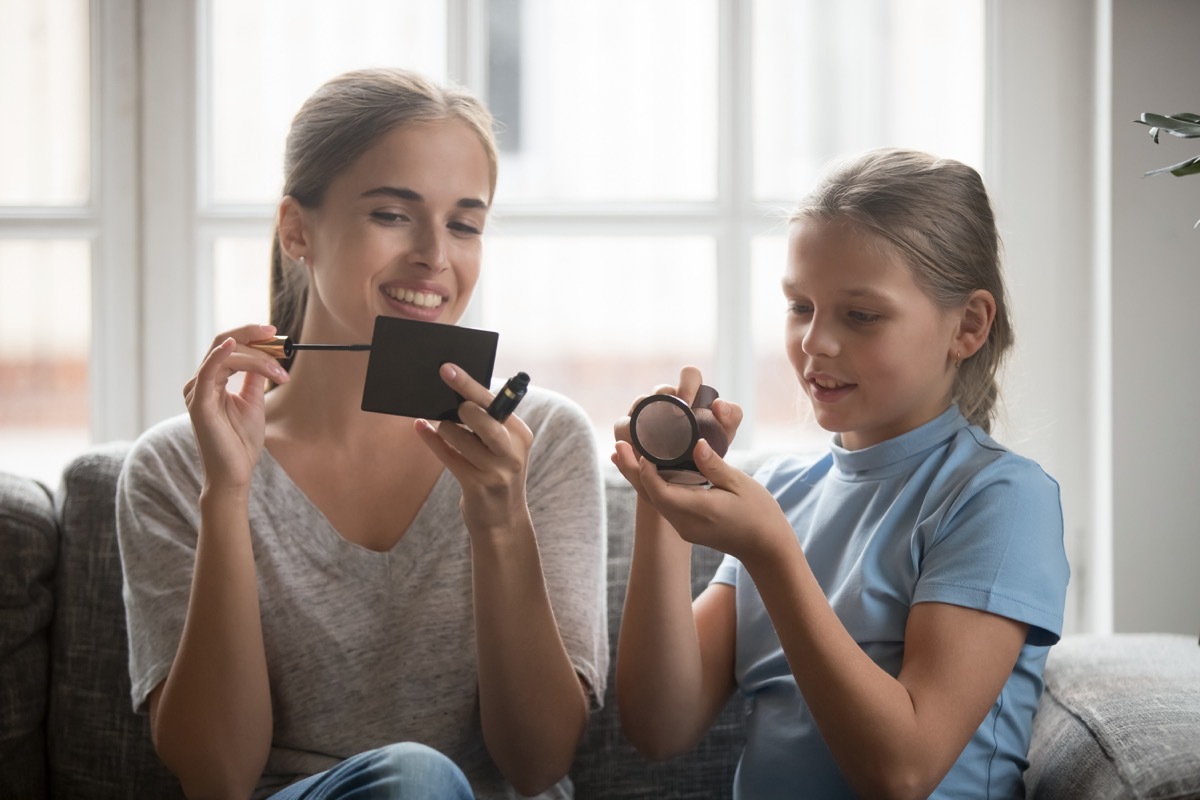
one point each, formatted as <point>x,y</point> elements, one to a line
<point>872,351</point>
<point>399,232</point>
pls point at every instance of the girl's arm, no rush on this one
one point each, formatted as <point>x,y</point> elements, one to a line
<point>675,656</point>
<point>891,736</point>
<point>533,705</point>
<point>211,717</point>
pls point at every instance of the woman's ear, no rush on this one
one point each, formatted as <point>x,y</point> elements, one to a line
<point>974,324</point>
<point>293,228</point>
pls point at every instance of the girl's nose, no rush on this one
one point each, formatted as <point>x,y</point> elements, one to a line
<point>820,339</point>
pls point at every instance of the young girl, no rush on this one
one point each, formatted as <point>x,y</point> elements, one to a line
<point>330,600</point>
<point>886,611</point>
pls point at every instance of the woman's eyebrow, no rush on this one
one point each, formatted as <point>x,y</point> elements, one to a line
<point>401,193</point>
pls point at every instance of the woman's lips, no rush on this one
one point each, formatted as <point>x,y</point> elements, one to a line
<point>415,303</point>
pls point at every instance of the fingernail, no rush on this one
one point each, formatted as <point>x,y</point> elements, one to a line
<point>703,450</point>
<point>449,371</point>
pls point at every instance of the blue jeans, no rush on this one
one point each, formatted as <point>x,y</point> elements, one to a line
<point>405,771</point>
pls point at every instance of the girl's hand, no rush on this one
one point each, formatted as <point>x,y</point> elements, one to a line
<point>736,515</point>
<point>230,427</point>
<point>489,458</point>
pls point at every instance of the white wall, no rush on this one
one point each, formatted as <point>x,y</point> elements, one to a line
<point>1039,172</point>
<point>1155,275</point>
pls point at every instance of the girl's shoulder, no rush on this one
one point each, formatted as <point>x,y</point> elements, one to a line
<point>976,453</point>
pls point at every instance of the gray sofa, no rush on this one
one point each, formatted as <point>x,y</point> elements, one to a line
<point>1120,716</point>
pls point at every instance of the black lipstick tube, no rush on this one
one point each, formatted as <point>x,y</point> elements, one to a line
<point>506,400</point>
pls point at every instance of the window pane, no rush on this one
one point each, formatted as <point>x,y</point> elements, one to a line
<point>833,79</point>
<point>617,98</point>
<point>601,320</point>
<point>268,56</point>
<point>43,367</point>
<point>784,419</point>
<point>45,140</point>
<point>241,282</point>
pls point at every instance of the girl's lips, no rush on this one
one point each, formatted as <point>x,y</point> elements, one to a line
<point>825,389</point>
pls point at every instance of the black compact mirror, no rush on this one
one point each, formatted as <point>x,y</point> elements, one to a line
<point>665,430</point>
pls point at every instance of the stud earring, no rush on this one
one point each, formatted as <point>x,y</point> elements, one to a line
<point>957,358</point>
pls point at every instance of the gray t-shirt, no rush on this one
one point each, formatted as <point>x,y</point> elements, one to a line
<point>365,648</point>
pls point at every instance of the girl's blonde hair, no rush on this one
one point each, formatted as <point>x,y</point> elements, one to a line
<point>336,125</point>
<point>935,213</point>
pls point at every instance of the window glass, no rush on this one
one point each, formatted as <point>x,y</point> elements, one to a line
<point>44,141</point>
<point>241,281</point>
<point>617,100</point>
<point>833,79</point>
<point>600,319</point>
<point>265,58</point>
<point>43,367</point>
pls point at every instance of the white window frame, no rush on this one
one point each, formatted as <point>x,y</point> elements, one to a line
<point>154,260</point>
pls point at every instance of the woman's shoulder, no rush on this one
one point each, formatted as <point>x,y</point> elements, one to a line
<point>168,446</point>
<point>547,410</point>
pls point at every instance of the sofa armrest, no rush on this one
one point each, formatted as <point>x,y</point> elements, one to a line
<point>1119,717</point>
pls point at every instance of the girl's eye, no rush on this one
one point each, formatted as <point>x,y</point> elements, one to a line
<point>865,317</point>
<point>799,309</point>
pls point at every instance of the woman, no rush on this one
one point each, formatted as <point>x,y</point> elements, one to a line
<point>307,582</point>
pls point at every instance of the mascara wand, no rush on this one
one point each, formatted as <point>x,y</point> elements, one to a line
<point>283,347</point>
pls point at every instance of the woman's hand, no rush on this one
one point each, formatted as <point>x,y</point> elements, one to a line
<point>230,427</point>
<point>489,458</point>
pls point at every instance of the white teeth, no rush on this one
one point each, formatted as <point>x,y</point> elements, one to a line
<point>826,384</point>
<point>422,299</point>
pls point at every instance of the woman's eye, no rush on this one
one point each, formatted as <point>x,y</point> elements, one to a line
<point>799,308</point>
<point>388,216</point>
<point>465,228</point>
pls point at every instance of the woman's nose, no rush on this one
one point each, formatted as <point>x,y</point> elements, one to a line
<point>429,249</point>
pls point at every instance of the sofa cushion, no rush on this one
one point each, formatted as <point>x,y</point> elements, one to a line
<point>98,747</point>
<point>29,542</point>
<point>1119,718</point>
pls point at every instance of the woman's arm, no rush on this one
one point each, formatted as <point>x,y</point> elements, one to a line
<point>211,717</point>
<point>533,706</point>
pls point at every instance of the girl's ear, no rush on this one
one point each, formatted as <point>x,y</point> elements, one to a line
<point>293,228</point>
<point>975,323</point>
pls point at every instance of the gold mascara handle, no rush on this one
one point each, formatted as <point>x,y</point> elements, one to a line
<point>276,347</point>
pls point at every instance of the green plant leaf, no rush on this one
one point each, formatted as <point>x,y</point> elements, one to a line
<point>1184,125</point>
<point>1189,167</point>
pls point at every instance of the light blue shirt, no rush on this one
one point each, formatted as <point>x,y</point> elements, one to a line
<point>940,514</point>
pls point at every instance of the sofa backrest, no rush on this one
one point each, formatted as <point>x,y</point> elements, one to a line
<point>29,548</point>
<point>97,747</point>
<point>64,639</point>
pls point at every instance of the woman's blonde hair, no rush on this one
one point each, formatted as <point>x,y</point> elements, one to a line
<point>935,213</point>
<point>336,125</point>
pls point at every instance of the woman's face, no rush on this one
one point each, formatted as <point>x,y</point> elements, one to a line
<point>399,232</point>
<point>872,351</point>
